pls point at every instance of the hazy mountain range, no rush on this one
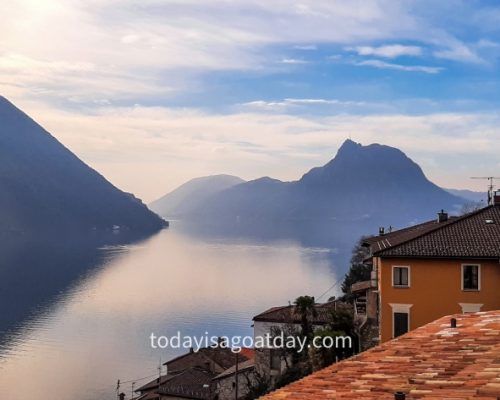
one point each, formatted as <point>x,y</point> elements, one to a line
<point>470,195</point>
<point>190,197</point>
<point>44,186</point>
<point>376,184</point>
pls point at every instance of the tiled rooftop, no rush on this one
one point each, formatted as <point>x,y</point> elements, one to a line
<point>475,235</point>
<point>290,314</point>
<point>222,356</point>
<point>433,362</point>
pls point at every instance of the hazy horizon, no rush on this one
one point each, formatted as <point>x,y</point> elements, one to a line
<point>152,94</point>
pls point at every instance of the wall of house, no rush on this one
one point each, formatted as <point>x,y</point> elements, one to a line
<point>225,388</point>
<point>435,290</point>
<point>262,328</point>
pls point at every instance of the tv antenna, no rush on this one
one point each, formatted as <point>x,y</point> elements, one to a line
<point>491,186</point>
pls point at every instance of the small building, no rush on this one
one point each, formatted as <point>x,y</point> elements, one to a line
<point>271,362</point>
<point>235,382</point>
<point>190,375</point>
<point>455,357</point>
<point>445,266</point>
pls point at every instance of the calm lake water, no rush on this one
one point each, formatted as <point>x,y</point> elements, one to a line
<point>68,337</point>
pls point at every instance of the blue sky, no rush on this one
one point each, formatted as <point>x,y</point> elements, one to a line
<point>152,93</point>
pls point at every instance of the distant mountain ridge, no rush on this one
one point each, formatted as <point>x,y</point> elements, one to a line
<point>44,186</point>
<point>477,197</point>
<point>190,196</point>
<point>376,184</point>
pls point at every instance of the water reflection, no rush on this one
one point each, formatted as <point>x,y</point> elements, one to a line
<point>95,332</point>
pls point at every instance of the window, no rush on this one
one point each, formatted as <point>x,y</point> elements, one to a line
<point>401,276</point>
<point>401,320</point>
<point>470,307</point>
<point>471,277</point>
<point>275,360</point>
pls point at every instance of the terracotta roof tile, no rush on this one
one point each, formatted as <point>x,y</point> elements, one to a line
<point>432,362</point>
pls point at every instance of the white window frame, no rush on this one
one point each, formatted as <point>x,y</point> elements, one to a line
<point>470,307</point>
<point>478,277</point>
<point>409,276</point>
<point>400,308</point>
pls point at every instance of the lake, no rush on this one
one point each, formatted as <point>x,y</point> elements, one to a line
<point>74,322</point>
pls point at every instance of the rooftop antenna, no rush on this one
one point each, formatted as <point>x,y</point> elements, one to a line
<point>491,186</point>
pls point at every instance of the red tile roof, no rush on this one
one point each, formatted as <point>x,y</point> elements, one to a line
<point>475,235</point>
<point>434,362</point>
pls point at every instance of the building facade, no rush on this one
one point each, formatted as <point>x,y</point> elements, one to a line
<point>441,267</point>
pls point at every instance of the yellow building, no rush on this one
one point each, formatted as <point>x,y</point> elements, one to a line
<point>447,266</point>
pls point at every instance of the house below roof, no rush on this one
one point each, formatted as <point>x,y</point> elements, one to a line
<point>238,378</point>
<point>435,361</point>
<point>440,267</point>
<point>271,363</point>
<point>189,376</point>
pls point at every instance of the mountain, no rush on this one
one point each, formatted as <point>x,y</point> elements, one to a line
<point>375,185</point>
<point>476,197</point>
<point>45,187</point>
<point>191,196</point>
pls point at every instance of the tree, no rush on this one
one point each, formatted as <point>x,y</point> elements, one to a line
<point>341,324</point>
<point>471,206</point>
<point>359,270</point>
<point>306,308</point>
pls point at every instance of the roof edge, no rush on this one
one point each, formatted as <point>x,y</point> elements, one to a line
<point>438,227</point>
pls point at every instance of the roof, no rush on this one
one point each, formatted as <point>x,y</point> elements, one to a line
<point>148,396</point>
<point>242,367</point>
<point>192,383</point>
<point>247,352</point>
<point>288,314</point>
<point>221,356</point>
<point>393,238</point>
<point>469,236</point>
<point>154,383</point>
<point>434,362</point>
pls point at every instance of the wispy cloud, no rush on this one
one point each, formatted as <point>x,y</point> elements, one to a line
<point>459,52</point>
<point>399,67</point>
<point>307,47</point>
<point>387,51</point>
<point>282,105</point>
<point>294,61</point>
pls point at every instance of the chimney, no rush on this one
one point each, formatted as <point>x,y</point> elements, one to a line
<point>496,198</point>
<point>381,231</point>
<point>442,216</point>
<point>453,323</point>
<point>399,396</point>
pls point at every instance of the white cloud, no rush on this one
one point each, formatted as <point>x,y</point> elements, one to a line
<point>459,52</point>
<point>399,67</point>
<point>307,47</point>
<point>157,48</point>
<point>293,61</point>
<point>387,51</point>
<point>293,103</point>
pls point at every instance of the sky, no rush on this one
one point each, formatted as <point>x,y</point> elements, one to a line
<point>153,93</point>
